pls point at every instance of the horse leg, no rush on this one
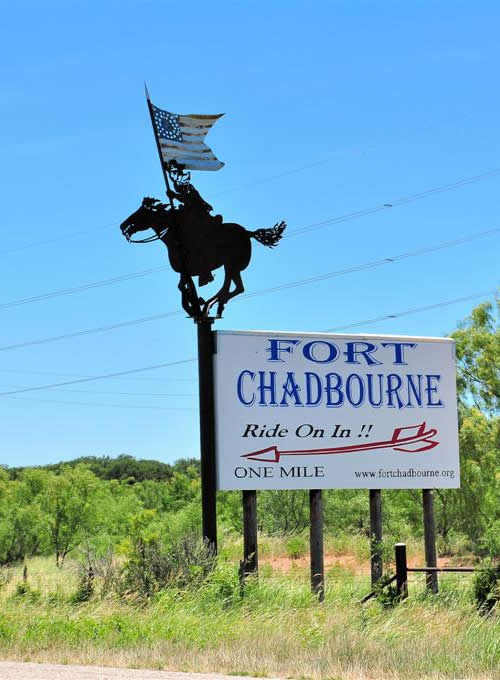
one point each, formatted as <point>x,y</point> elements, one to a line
<point>189,296</point>
<point>220,297</point>
<point>184,298</point>
<point>224,294</point>
<point>239,288</point>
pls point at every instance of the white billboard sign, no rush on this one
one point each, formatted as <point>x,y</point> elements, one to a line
<point>317,411</point>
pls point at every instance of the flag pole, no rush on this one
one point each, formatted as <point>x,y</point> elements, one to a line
<point>206,345</point>
<point>155,131</point>
<point>189,284</point>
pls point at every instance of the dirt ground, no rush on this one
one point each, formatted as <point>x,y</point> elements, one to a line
<point>344,561</point>
<point>34,671</point>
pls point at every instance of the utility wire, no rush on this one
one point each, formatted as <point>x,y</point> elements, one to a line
<point>73,375</point>
<point>121,394</point>
<point>309,227</point>
<point>393,203</point>
<point>90,331</point>
<point>291,284</point>
<point>100,405</point>
<point>144,272</point>
<point>97,377</point>
<point>376,263</point>
<point>134,394</point>
<point>386,317</point>
<point>81,288</point>
<point>185,361</point>
<point>70,234</point>
<point>329,158</point>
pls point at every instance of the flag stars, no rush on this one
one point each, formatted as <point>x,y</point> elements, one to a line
<point>167,125</point>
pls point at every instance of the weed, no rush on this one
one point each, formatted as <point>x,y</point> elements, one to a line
<point>151,567</point>
<point>24,590</point>
<point>5,576</point>
<point>296,547</point>
<point>385,591</point>
<point>486,587</point>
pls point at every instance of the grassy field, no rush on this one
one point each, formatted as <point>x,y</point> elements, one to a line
<point>276,629</point>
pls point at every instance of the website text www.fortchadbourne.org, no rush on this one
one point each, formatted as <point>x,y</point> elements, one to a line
<point>411,473</point>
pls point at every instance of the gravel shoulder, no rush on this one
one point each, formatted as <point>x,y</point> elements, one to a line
<point>33,671</point>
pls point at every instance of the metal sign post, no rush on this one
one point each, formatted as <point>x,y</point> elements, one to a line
<point>316,543</point>
<point>376,535</point>
<point>250,545</point>
<point>430,539</point>
<point>207,431</point>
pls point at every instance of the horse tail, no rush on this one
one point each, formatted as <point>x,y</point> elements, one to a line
<point>269,237</point>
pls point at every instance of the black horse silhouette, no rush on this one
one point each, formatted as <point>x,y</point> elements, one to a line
<point>194,249</point>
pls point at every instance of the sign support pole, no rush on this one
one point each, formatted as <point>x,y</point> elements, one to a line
<point>206,350</point>
<point>401,570</point>
<point>316,543</point>
<point>376,535</point>
<point>430,539</point>
<point>250,547</point>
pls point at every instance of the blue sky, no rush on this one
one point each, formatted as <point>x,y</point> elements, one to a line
<point>332,108</point>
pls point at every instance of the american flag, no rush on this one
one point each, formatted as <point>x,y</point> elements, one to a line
<point>181,139</point>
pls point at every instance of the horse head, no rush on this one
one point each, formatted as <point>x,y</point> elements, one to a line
<point>150,215</point>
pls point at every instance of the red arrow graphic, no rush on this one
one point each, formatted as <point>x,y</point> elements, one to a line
<point>411,439</point>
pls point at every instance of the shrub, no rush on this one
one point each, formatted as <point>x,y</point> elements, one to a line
<point>222,586</point>
<point>24,590</point>
<point>151,567</point>
<point>85,588</point>
<point>97,570</point>
<point>385,591</point>
<point>487,587</point>
<point>296,547</point>
<point>5,576</point>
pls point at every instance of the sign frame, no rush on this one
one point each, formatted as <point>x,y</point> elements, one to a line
<point>265,382</point>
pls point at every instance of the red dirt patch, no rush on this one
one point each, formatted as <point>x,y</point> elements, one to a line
<point>347,562</point>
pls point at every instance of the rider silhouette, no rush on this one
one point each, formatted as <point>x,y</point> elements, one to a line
<point>194,209</point>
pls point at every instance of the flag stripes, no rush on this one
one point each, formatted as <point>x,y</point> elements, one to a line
<point>181,138</point>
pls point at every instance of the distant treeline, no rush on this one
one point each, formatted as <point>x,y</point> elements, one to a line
<point>124,468</point>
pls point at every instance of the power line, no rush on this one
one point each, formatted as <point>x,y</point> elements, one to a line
<point>73,375</point>
<point>314,164</point>
<point>100,405</point>
<point>393,203</point>
<point>377,263</point>
<point>285,173</point>
<point>97,377</point>
<point>122,394</point>
<point>90,331</point>
<point>70,234</point>
<point>134,394</point>
<point>83,287</point>
<point>306,228</point>
<point>291,284</point>
<point>185,361</point>
<point>387,317</point>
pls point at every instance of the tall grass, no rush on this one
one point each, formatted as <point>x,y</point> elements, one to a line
<point>276,629</point>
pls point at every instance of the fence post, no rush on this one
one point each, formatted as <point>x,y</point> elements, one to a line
<point>316,543</point>
<point>376,535</point>
<point>401,570</point>
<point>431,578</point>
<point>250,548</point>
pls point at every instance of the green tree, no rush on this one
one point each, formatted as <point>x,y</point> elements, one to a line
<point>475,509</point>
<point>70,503</point>
<point>23,526</point>
<point>478,359</point>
